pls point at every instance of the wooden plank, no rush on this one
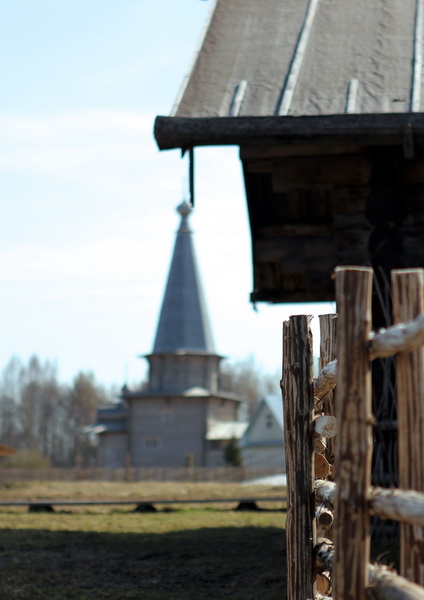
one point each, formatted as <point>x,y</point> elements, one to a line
<point>408,302</point>
<point>296,247</point>
<point>296,64</point>
<point>298,404</point>
<point>354,440</point>
<point>312,170</point>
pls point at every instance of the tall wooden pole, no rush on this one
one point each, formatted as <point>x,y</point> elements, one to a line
<point>298,403</point>
<point>354,439</point>
<point>408,302</point>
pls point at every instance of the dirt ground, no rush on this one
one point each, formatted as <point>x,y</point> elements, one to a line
<point>208,553</point>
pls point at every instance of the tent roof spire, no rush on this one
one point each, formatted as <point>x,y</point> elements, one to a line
<point>183,322</point>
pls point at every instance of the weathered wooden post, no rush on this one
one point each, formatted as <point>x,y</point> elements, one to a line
<point>354,439</point>
<point>408,303</point>
<point>298,403</point>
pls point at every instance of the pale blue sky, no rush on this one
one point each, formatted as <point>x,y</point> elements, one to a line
<point>88,201</point>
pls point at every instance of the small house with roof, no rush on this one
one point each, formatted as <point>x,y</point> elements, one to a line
<point>262,444</point>
<point>181,415</point>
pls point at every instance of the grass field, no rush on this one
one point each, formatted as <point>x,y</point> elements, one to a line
<point>107,554</point>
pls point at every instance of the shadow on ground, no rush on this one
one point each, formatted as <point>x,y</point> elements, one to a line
<point>228,563</point>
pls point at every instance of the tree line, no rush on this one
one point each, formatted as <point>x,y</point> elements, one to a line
<point>42,417</point>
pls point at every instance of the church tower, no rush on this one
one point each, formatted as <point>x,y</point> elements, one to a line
<point>180,416</point>
<point>183,354</point>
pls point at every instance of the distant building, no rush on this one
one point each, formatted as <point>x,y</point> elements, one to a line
<point>181,416</point>
<point>262,444</point>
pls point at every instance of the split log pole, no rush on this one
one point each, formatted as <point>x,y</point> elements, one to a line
<point>298,403</point>
<point>408,302</point>
<point>354,439</point>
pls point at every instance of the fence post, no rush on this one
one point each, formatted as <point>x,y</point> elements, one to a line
<point>408,302</point>
<point>298,402</point>
<point>354,439</point>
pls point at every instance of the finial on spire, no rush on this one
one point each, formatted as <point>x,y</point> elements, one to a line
<point>184,208</point>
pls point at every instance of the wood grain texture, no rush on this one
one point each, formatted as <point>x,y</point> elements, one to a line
<point>298,405</point>
<point>408,302</point>
<point>354,440</point>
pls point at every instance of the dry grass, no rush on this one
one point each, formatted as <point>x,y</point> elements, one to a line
<point>141,490</point>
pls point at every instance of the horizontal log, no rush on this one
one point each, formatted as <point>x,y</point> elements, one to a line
<point>325,491</point>
<point>399,505</point>
<point>326,381</point>
<point>385,584</point>
<point>297,230</point>
<point>406,506</point>
<point>187,132</point>
<point>323,584</point>
<point>319,444</point>
<point>325,426</point>
<point>322,466</point>
<point>324,517</point>
<point>404,337</point>
<point>275,150</point>
<point>324,555</point>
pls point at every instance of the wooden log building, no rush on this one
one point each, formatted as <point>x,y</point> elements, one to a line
<point>324,100</point>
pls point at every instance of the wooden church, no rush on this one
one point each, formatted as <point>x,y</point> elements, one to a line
<point>181,417</point>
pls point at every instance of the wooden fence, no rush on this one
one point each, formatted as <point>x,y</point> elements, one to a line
<point>211,474</point>
<point>330,498</point>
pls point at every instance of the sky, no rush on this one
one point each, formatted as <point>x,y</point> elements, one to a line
<point>88,201</point>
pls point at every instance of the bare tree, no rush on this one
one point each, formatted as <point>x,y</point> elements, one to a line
<point>37,413</point>
<point>246,378</point>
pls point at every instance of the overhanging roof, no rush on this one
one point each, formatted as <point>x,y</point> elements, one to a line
<point>324,100</point>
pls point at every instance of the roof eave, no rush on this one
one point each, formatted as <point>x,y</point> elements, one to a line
<point>188,132</point>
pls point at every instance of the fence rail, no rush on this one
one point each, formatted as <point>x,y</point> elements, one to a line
<point>201,474</point>
<point>328,523</point>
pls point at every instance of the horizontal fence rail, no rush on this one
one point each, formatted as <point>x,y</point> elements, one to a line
<point>201,474</point>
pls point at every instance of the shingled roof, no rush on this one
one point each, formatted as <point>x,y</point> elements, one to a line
<point>304,57</point>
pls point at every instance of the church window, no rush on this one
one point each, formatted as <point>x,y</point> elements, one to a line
<point>269,421</point>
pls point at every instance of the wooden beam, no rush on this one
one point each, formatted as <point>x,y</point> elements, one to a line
<point>373,129</point>
<point>354,441</point>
